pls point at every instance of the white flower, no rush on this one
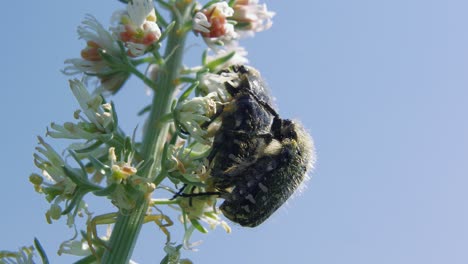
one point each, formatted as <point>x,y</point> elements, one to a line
<point>137,27</point>
<point>51,164</point>
<point>97,113</point>
<point>97,39</point>
<point>192,113</point>
<point>251,16</point>
<point>75,247</point>
<point>211,82</point>
<point>81,247</point>
<point>229,36</point>
<point>58,188</point>
<point>98,119</point>
<point>223,8</point>
<point>212,23</point>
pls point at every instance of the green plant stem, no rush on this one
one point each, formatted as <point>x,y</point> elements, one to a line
<point>127,227</point>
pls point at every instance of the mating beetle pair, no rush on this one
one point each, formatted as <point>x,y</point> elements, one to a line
<point>258,159</point>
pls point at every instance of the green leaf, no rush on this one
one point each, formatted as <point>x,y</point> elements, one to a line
<point>160,19</point>
<point>98,165</point>
<point>114,117</point>
<point>204,56</point>
<point>77,197</point>
<point>144,110</point>
<point>109,58</point>
<point>106,191</point>
<point>219,61</point>
<point>187,80</point>
<point>83,183</point>
<point>106,137</point>
<point>74,177</point>
<point>242,25</point>
<point>164,4</point>
<point>128,146</point>
<point>41,251</point>
<point>166,32</point>
<point>189,90</point>
<point>165,260</point>
<point>198,226</point>
<point>90,148</point>
<point>145,164</point>
<point>82,166</point>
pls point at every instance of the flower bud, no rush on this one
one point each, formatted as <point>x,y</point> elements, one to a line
<point>55,211</point>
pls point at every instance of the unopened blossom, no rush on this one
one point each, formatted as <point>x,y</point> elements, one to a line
<point>98,41</point>
<point>200,209</point>
<point>211,82</point>
<point>183,163</point>
<point>137,27</point>
<point>121,170</point>
<point>123,175</point>
<point>212,23</point>
<point>192,113</point>
<point>251,16</point>
<point>173,255</point>
<point>54,212</point>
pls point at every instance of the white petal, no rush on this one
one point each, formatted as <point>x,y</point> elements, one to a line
<point>139,10</point>
<point>224,8</point>
<point>201,23</point>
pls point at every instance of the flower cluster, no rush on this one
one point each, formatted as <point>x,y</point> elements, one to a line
<point>23,255</point>
<point>104,57</point>
<point>57,187</point>
<point>221,23</point>
<point>192,114</point>
<point>185,165</point>
<point>102,161</point>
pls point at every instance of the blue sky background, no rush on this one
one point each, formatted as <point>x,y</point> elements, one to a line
<point>380,85</point>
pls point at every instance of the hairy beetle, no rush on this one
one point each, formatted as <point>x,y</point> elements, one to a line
<point>258,159</point>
